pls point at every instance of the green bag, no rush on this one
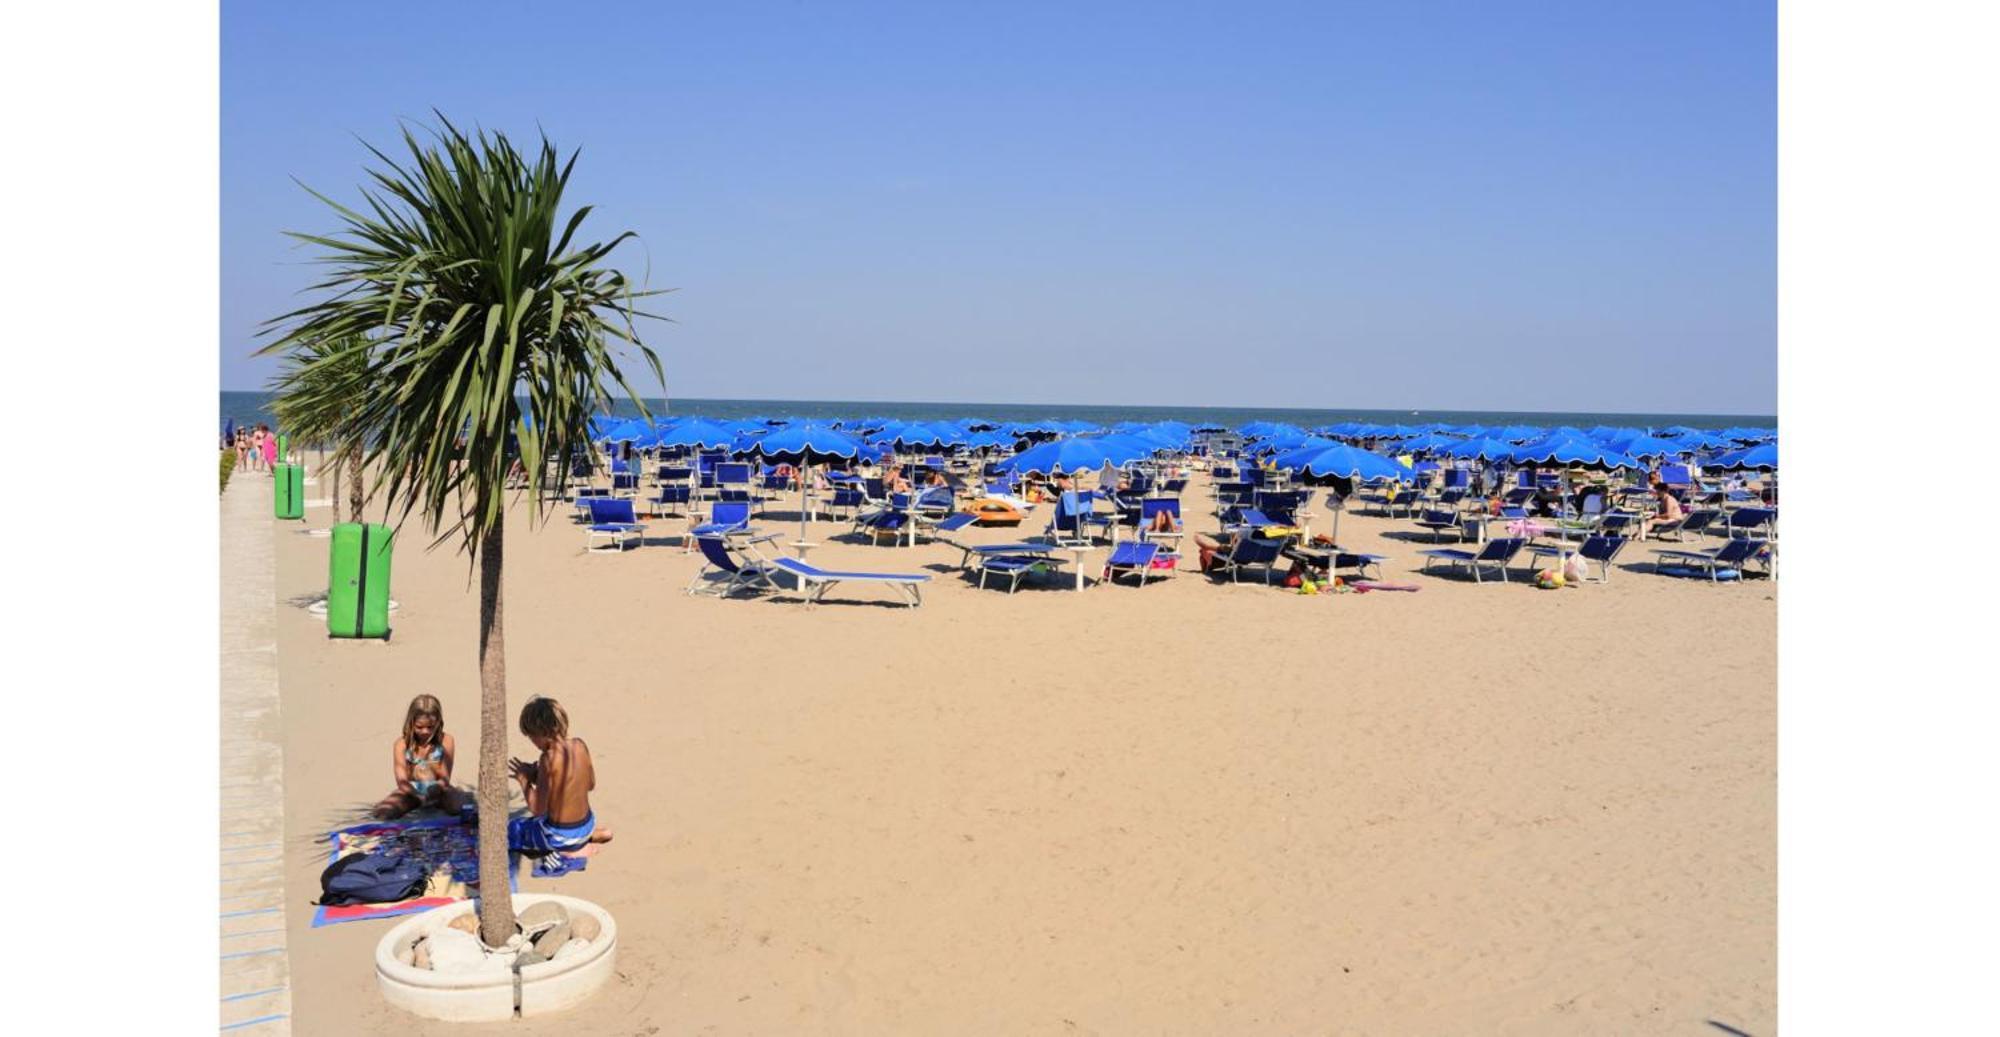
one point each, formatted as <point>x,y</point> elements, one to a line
<point>289,491</point>
<point>357,581</point>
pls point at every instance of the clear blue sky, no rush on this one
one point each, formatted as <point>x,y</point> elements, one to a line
<point>1542,206</point>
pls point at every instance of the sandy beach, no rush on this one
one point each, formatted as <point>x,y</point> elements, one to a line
<point>1188,808</point>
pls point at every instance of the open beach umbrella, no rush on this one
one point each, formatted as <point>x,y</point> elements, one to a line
<point>1644,446</point>
<point>805,446</point>
<point>1341,461</point>
<point>1428,443</point>
<point>988,439</point>
<point>928,436</point>
<point>1763,456</point>
<point>1552,451</point>
<point>1292,458</point>
<point>697,433</point>
<point>626,432</point>
<point>1072,455</point>
<point>1480,449</point>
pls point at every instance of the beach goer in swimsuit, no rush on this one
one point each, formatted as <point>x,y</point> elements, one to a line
<point>1671,511</point>
<point>421,760</point>
<point>257,449</point>
<point>1210,547</point>
<point>557,786</point>
<point>270,447</point>
<point>242,449</point>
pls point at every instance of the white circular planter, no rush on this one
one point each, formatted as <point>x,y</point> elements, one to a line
<point>460,997</point>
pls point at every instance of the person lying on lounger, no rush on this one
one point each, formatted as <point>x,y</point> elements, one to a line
<point>421,761</point>
<point>556,786</point>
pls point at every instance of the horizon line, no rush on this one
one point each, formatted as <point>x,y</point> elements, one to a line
<point>1159,406</point>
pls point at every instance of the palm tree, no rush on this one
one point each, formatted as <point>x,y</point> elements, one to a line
<point>314,398</point>
<point>493,337</point>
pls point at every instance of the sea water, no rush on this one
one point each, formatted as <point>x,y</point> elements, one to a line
<point>252,407</point>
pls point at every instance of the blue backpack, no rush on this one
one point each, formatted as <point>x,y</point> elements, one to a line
<point>372,878</point>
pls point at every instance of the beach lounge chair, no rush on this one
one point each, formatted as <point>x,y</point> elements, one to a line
<point>672,499</point>
<point>1067,526</point>
<point>1441,521</point>
<point>1497,553</point>
<point>1723,563</point>
<point>1600,549</point>
<point>1136,556</point>
<point>1149,511</point>
<point>725,518</point>
<point>1245,551</point>
<point>1013,560</point>
<point>1744,522</point>
<point>1617,523</point>
<point>1247,519</point>
<point>611,518</point>
<point>739,564</point>
<point>1698,521</point>
<point>813,582</point>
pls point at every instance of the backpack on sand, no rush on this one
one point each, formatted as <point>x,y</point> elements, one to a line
<point>372,878</point>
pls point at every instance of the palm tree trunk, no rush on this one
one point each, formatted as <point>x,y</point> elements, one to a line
<point>332,471</point>
<point>355,490</point>
<point>496,902</point>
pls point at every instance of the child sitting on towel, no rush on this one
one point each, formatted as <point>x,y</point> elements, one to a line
<point>557,786</point>
<point>421,761</point>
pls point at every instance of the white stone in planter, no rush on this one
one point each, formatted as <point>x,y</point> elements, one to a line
<point>481,996</point>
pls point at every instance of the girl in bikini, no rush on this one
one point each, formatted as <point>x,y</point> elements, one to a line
<point>557,786</point>
<point>422,761</point>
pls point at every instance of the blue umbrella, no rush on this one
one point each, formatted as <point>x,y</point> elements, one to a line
<point>1557,450</point>
<point>229,431</point>
<point>1428,443</point>
<point>1293,457</point>
<point>1480,449</point>
<point>807,445</point>
<point>1073,455</point>
<point>918,434</point>
<point>1344,462</point>
<point>1764,456</point>
<point>1643,446</point>
<point>1341,461</point>
<point>697,432</point>
<point>988,440</point>
<point>626,432</point>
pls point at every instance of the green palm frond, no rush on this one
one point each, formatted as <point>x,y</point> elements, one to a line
<point>488,332</point>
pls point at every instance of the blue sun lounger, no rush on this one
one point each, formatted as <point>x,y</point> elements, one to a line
<point>741,566</point>
<point>1497,553</point>
<point>1248,550</point>
<point>1599,549</point>
<point>1440,521</point>
<point>814,582</point>
<point>1723,563</point>
<point>1133,556</point>
<point>611,518</point>
<point>726,518</point>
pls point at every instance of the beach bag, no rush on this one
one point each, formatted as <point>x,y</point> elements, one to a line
<point>372,878</point>
<point>1576,568</point>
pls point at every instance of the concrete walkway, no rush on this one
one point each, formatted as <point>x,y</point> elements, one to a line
<point>256,978</point>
